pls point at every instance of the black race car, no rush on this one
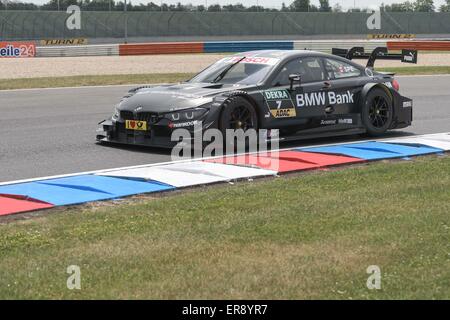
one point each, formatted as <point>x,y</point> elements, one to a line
<point>304,94</point>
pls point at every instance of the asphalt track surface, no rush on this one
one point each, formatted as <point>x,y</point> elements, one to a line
<point>47,132</point>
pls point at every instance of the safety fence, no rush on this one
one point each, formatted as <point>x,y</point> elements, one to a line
<point>35,25</point>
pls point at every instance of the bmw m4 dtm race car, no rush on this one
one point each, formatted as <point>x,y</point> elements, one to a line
<point>303,94</point>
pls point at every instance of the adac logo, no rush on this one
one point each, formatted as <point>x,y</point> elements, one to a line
<point>283,113</point>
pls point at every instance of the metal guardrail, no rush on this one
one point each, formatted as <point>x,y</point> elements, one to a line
<point>327,45</point>
<point>226,46</point>
<point>78,51</point>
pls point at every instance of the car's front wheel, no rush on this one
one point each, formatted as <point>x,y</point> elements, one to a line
<point>377,112</point>
<point>238,113</point>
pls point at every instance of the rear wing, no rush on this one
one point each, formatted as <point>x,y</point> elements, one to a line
<point>380,53</point>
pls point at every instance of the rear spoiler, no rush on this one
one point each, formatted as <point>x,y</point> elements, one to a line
<point>380,53</point>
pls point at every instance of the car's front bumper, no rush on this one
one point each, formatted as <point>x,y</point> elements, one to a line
<point>110,131</point>
<point>115,132</point>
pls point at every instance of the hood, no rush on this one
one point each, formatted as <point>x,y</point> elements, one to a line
<point>167,98</point>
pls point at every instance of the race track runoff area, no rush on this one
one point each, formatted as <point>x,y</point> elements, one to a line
<point>45,193</point>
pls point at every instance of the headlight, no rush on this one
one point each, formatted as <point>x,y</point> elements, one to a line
<point>186,115</point>
<point>116,114</point>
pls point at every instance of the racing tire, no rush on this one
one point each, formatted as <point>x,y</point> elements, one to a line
<point>237,113</point>
<point>377,112</point>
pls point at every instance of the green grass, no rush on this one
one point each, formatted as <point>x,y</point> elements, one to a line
<point>417,70</point>
<point>92,80</point>
<point>302,236</point>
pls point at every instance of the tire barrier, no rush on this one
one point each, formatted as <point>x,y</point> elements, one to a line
<point>44,193</point>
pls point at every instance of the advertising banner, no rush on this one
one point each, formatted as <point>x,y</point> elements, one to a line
<point>15,49</point>
<point>390,36</point>
<point>64,42</point>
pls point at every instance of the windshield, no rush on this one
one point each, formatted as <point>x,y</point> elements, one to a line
<point>250,70</point>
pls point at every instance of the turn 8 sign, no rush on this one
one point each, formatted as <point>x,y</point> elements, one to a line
<point>17,49</point>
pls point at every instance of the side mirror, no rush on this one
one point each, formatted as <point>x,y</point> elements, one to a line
<point>294,78</point>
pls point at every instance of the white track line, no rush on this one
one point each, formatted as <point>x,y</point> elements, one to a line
<point>207,158</point>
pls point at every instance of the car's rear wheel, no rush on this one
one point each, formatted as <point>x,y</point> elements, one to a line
<point>238,113</point>
<point>377,112</point>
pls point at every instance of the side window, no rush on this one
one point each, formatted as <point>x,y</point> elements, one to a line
<point>340,70</point>
<point>309,68</point>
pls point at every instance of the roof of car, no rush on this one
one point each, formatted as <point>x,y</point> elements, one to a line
<point>280,54</point>
<point>283,55</point>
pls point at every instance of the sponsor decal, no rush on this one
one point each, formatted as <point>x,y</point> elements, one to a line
<point>345,121</point>
<point>320,99</point>
<point>328,122</point>
<point>136,125</point>
<point>283,113</point>
<point>64,42</point>
<point>409,56</point>
<point>277,95</point>
<point>252,60</point>
<point>391,36</point>
<point>184,124</point>
<point>279,103</point>
<point>388,84</point>
<point>346,69</point>
<point>332,122</point>
<point>17,49</point>
<point>407,104</point>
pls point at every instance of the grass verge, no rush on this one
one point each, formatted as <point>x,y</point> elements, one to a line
<point>300,236</point>
<point>411,71</point>
<point>93,80</point>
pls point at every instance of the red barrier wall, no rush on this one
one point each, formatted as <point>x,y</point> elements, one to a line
<point>160,48</point>
<point>419,45</point>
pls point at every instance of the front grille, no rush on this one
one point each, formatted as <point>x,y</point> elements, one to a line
<point>150,117</point>
<point>127,115</point>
